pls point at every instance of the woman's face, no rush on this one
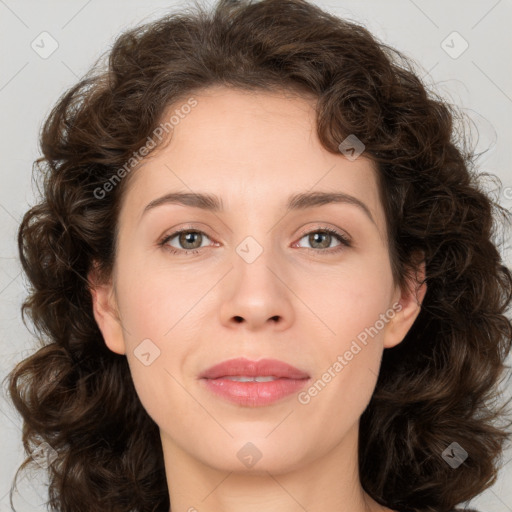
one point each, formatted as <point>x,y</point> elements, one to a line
<point>260,281</point>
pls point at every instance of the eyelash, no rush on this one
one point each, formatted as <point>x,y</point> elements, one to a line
<point>345,242</point>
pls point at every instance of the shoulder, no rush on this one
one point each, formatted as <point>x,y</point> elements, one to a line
<point>464,510</point>
<point>454,510</point>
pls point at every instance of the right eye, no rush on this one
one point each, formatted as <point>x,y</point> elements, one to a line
<point>187,238</point>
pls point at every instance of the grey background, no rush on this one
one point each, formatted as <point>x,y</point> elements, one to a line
<point>479,81</point>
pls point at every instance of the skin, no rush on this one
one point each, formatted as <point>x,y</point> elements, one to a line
<point>253,150</point>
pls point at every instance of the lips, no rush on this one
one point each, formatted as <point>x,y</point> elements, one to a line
<point>249,383</point>
<point>242,367</point>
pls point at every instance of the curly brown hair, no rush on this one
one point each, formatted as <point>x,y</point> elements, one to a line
<point>440,385</point>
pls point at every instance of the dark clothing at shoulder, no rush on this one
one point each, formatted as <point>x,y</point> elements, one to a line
<point>459,510</point>
<point>464,510</point>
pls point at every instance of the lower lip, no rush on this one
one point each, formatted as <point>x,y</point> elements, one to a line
<point>254,394</point>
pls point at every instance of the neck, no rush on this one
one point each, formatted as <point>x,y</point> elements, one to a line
<point>328,480</point>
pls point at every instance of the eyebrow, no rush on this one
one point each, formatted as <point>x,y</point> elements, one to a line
<point>300,201</point>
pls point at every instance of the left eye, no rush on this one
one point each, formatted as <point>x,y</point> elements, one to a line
<point>323,238</point>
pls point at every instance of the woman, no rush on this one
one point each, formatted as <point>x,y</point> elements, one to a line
<point>266,277</point>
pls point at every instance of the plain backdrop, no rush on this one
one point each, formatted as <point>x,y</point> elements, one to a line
<point>462,49</point>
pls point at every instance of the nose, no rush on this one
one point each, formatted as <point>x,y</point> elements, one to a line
<point>257,295</point>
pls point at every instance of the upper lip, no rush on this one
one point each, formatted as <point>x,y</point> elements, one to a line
<point>246,367</point>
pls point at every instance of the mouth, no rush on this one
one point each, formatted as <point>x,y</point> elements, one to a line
<point>245,368</point>
<point>253,383</point>
<point>244,378</point>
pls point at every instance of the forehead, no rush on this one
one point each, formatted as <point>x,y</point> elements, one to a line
<point>250,148</point>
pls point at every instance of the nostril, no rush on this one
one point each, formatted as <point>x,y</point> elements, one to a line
<point>239,319</point>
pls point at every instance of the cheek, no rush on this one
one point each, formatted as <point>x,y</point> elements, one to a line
<point>348,299</point>
<point>157,310</point>
<point>342,388</point>
<point>355,309</point>
<point>153,299</point>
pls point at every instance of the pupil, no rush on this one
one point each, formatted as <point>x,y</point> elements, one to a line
<point>186,237</point>
<point>316,235</point>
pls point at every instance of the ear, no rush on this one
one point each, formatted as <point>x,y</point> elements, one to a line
<point>407,306</point>
<point>105,312</point>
